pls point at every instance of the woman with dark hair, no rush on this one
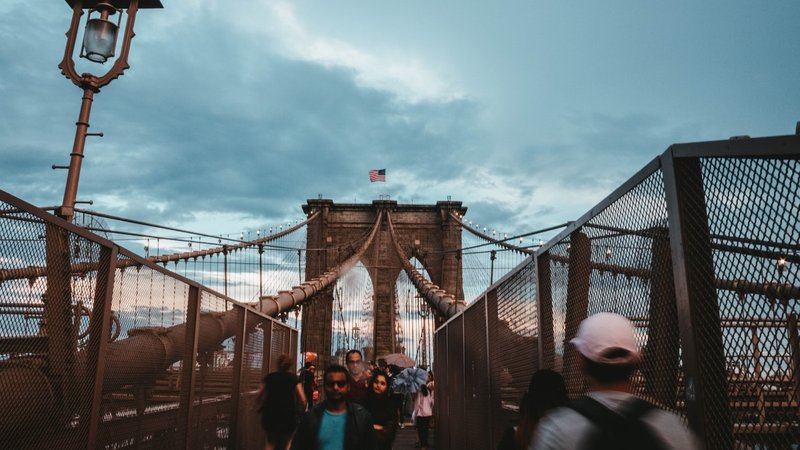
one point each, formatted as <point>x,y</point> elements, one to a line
<point>278,392</point>
<point>546,391</point>
<point>383,410</point>
<point>307,379</point>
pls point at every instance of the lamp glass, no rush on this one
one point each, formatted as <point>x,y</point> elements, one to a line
<point>99,39</point>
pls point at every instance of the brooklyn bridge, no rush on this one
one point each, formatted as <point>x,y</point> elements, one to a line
<point>103,346</point>
<point>115,337</point>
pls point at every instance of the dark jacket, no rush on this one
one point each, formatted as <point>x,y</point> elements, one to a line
<point>384,413</point>
<point>358,435</point>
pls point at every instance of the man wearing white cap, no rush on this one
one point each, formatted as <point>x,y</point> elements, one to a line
<point>610,416</point>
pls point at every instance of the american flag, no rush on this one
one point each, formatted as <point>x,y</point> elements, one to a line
<point>377,175</point>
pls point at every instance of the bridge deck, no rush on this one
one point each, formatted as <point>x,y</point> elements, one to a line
<point>407,438</point>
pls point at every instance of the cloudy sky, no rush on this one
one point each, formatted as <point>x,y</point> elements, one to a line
<point>235,112</point>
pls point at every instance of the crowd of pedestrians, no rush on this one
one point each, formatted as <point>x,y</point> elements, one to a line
<point>359,410</point>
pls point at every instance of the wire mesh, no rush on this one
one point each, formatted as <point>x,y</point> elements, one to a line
<point>280,343</point>
<point>214,371</point>
<point>141,384</point>
<point>47,292</point>
<point>484,262</point>
<point>735,318</point>
<point>753,210</point>
<point>252,369</point>
<point>58,286</point>
<point>513,350</point>
<point>476,376</point>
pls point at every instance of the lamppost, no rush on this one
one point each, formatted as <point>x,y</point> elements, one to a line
<point>99,45</point>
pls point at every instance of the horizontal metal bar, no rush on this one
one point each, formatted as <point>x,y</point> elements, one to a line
<point>782,147</point>
<point>23,344</point>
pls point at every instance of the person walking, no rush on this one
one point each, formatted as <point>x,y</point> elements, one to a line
<point>610,416</point>
<point>423,411</point>
<point>380,404</point>
<point>546,391</point>
<point>279,391</point>
<point>335,424</point>
<point>359,377</point>
<point>397,397</point>
<point>309,383</point>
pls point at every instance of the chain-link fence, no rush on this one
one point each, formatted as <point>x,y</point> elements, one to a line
<point>700,251</point>
<point>100,348</point>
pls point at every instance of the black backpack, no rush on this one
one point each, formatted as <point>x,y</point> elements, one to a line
<point>621,429</point>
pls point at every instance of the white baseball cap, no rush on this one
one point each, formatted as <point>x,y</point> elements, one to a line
<point>603,332</point>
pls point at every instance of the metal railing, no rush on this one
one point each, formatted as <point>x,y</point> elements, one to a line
<point>104,349</point>
<point>700,250</point>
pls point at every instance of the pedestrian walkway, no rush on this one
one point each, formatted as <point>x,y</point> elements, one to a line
<point>407,438</point>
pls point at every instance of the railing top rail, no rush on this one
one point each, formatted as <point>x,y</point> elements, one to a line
<point>46,217</point>
<point>763,147</point>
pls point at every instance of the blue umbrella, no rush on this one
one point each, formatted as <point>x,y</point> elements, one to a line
<point>409,380</point>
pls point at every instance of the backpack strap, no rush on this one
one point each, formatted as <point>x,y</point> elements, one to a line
<point>621,429</point>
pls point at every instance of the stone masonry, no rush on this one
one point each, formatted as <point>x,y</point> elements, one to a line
<point>426,232</point>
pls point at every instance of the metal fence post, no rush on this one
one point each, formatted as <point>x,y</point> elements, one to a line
<point>236,387</point>
<point>446,423</point>
<point>663,339</point>
<point>266,366</point>
<point>544,303</point>
<point>490,399</point>
<point>794,345</point>
<point>99,330</point>
<point>705,377</point>
<point>59,327</point>
<point>184,422</point>
<point>579,271</point>
<point>464,391</point>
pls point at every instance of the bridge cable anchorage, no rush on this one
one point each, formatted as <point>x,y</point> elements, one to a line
<point>438,298</point>
<point>300,294</point>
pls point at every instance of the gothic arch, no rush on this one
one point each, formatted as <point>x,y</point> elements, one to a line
<point>425,231</point>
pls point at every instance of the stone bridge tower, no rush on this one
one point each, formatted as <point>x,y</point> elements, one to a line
<point>426,232</point>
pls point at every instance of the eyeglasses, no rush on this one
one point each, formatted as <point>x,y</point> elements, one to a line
<point>340,383</point>
<point>353,362</point>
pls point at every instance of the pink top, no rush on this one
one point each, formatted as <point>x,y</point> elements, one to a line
<point>423,405</point>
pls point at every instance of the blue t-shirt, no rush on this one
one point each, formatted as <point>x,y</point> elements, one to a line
<point>331,431</point>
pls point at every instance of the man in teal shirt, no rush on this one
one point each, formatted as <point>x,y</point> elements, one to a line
<point>335,424</point>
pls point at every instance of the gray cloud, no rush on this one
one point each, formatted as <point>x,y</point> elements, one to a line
<point>220,114</point>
